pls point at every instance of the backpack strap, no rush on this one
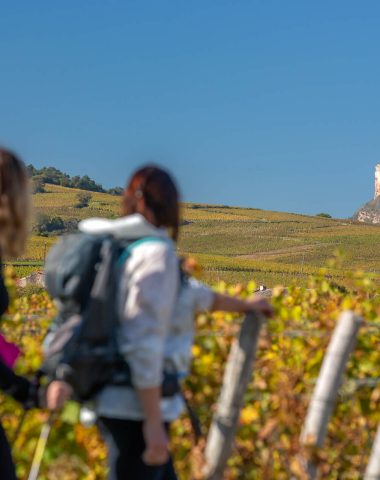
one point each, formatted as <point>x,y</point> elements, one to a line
<point>127,251</point>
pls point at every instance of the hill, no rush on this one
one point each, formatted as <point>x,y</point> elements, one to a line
<point>234,244</point>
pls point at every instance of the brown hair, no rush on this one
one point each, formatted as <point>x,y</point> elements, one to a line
<point>160,194</point>
<point>14,204</point>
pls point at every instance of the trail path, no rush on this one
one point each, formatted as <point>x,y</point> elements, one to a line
<point>282,252</point>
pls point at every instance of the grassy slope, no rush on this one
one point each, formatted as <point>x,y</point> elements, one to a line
<point>238,244</point>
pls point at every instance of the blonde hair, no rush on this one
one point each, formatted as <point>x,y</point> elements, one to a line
<point>14,204</point>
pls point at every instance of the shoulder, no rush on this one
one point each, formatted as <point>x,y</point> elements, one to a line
<point>153,248</point>
<point>153,255</point>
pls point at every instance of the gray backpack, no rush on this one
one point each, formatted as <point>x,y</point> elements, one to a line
<point>81,348</point>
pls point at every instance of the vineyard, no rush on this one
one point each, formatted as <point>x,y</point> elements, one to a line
<point>290,354</point>
<point>234,244</point>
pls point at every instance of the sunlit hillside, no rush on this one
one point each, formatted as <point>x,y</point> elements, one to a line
<point>235,244</point>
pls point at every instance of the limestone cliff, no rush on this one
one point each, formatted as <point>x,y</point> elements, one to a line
<point>370,212</point>
<point>377,181</point>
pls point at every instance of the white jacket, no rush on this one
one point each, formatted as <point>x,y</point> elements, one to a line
<point>157,315</point>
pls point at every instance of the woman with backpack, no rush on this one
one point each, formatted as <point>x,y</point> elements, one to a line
<point>14,225</point>
<point>156,309</point>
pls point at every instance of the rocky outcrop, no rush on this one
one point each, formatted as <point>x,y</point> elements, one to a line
<point>377,181</point>
<point>370,212</point>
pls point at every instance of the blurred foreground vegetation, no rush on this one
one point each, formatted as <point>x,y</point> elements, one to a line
<point>291,350</point>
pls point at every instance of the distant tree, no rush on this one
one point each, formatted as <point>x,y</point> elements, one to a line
<point>324,215</point>
<point>83,200</point>
<point>85,183</point>
<point>115,191</point>
<point>52,175</point>
<point>56,223</point>
<point>45,225</point>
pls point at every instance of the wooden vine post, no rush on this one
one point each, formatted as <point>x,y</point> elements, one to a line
<point>373,468</point>
<point>325,393</point>
<point>236,377</point>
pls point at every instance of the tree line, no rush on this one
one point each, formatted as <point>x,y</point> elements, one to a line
<point>54,176</point>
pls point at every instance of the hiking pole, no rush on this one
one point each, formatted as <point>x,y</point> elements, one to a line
<point>40,448</point>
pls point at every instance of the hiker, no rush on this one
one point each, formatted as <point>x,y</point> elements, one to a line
<point>14,209</point>
<point>156,313</point>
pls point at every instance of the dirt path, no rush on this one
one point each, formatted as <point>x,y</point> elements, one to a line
<point>282,252</point>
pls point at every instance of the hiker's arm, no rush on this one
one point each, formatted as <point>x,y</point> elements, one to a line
<point>150,402</point>
<point>227,303</point>
<point>57,394</point>
<point>207,299</point>
<point>156,439</point>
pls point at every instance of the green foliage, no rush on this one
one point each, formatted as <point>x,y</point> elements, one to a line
<point>323,215</point>
<point>56,177</point>
<point>86,183</point>
<point>46,225</point>
<point>52,175</point>
<point>116,191</point>
<point>22,271</point>
<point>288,363</point>
<point>83,199</point>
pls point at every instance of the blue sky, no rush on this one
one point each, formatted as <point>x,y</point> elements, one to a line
<point>271,104</point>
